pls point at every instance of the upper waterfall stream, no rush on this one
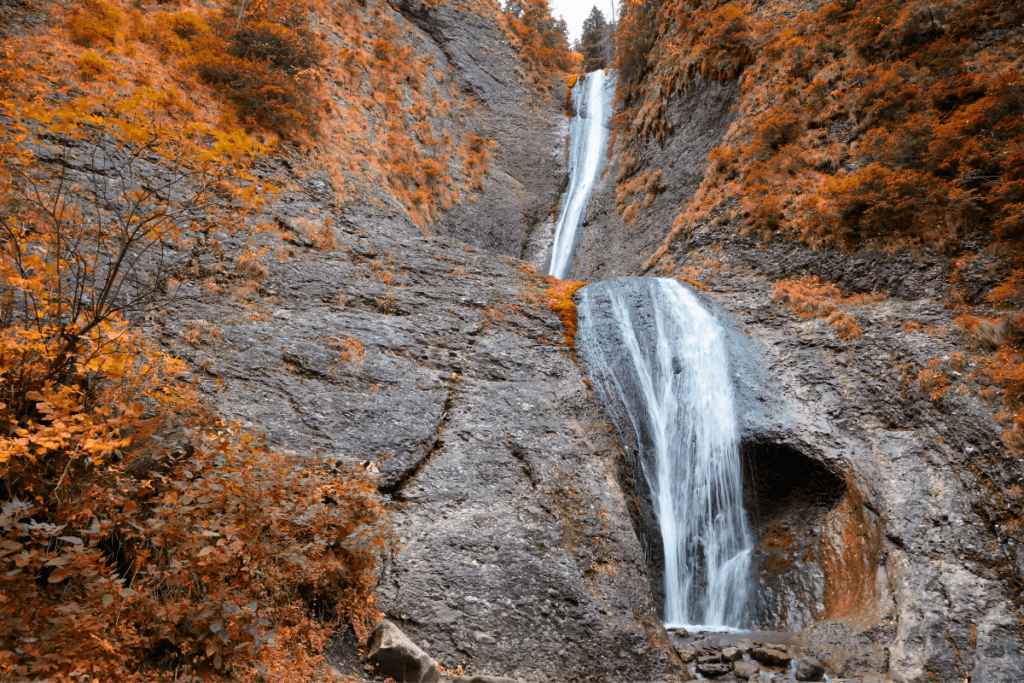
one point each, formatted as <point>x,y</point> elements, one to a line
<point>658,360</point>
<point>588,141</point>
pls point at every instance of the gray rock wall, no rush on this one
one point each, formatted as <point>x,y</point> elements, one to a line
<point>529,168</point>
<point>516,552</point>
<point>608,248</point>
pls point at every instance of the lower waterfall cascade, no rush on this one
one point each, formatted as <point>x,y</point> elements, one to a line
<point>592,99</point>
<point>664,362</point>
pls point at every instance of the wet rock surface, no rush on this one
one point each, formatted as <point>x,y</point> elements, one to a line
<point>608,248</point>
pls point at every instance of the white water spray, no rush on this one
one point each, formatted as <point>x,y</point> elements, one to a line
<point>588,140</point>
<point>662,357</point>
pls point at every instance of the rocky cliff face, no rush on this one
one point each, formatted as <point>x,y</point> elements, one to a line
<point>441,366</point>
<point>530,171</point>
<point>521,522</point>
<point>879,530</point>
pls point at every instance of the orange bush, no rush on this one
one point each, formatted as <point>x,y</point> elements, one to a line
<point>92,65</point>
<point>477,166</point>
<point>94,23</point>
<point>560,301</point>
<point>270,70</point>
<point>141,536</point>
<point>350,350</point>
<point>932,381</point>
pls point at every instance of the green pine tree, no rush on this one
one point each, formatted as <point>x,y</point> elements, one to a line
<point>594,41</point>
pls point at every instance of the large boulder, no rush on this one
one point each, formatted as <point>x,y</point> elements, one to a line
<point>745,670</point>
<point>809,669</point>
<point>770,656</point>
<point>395,656</point>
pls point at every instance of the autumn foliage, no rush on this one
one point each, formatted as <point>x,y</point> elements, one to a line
<point>345,86</point>
<point>874,124</point>
<point>541,40</point>
<point>811,298</point>
<point>559,300</point>
<point>143,537</point>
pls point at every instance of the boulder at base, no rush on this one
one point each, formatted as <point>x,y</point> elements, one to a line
<point>395,656</point>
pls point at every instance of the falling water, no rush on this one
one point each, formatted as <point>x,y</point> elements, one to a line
<point>588,139</point>
<point>655,351</point>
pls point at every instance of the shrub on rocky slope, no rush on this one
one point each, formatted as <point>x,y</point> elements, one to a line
<point>860,124</point>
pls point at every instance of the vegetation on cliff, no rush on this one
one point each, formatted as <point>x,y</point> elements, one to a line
<point>142,536</point>
<point>864,123</point>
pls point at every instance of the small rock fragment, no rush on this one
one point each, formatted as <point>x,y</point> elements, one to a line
<point>713,669</point>
<point>771,656</point>
<point>686,653</point>
<point>710,659</point>
<point>478,678</point>
<point>809,669</point>
<point>731,654</point>
<point>394,655</point>
<point>745,670</point>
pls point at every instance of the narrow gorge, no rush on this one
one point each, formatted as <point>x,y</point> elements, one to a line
<point>370,339</point>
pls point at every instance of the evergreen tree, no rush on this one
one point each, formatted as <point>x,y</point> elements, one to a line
<point>594,41</point>
<point>544,39</point>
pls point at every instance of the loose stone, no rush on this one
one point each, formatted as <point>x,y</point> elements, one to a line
<point>809,669</point>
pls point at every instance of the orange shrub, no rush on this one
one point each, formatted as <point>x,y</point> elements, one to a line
<point>876,203</point>
<point>560,301</point>
<point>94,23</point>
<point>350,350</point>
<point>92,65</point>
<point>142,537</point>
<point>932,381</point>
<point>477,166</point>
<point>181,33</point>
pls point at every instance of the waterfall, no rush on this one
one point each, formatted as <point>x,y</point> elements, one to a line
<point>658,360</point>
<point>588,140</point>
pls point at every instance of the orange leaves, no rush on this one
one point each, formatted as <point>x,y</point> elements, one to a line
<point>219,596</point>
<point>540,39</point>
<point>94,23</point>
<point>811,298</point>
<point>560,301</point>
<point>66,251</point>
<point>808,298</point>
<point>932,382</point>
<point>92,65</point>
<point>478,153</point>
<point>875,203</point>
<point>383,49</point>
<point>177,33</point>
<point>349,350</point>
<point>877,121</point>
<point>648,184</point>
